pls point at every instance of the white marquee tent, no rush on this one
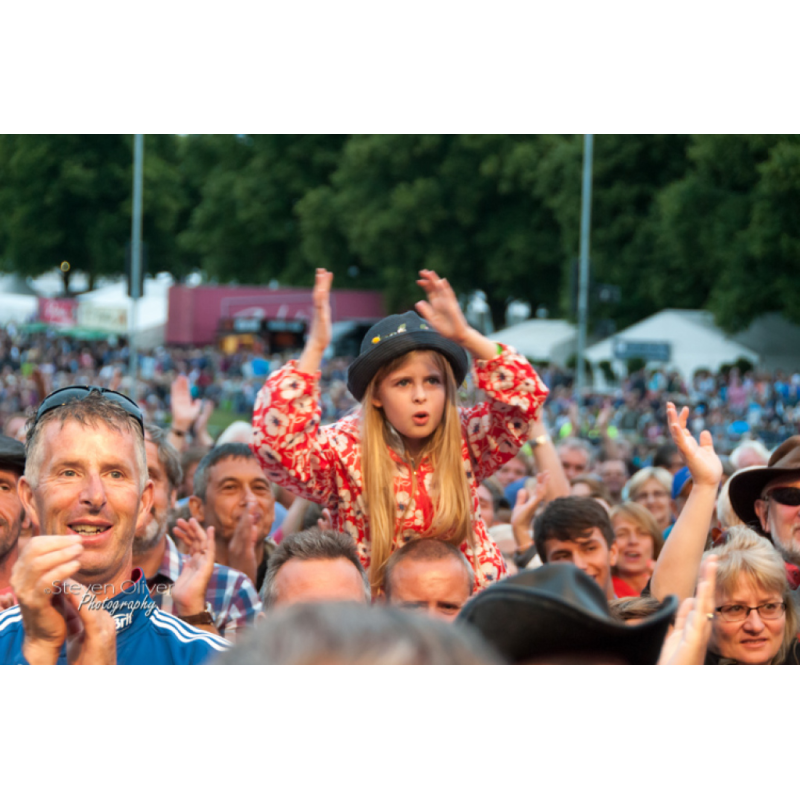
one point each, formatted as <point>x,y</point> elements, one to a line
<point>695,342</point>
<point>541,339</point>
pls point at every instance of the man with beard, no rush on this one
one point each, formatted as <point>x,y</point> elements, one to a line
<point>768,499</point>
<point>12,515</point>
<point>191,586</point>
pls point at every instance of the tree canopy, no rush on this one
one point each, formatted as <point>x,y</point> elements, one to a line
<point>685,221</point>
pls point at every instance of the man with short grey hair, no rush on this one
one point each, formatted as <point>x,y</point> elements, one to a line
<point>315,566</point>
<point>86,489</point>
<point>233,496</point>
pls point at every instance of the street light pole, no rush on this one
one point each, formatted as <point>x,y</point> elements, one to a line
<point>136,256</point>
<point>583,284</point>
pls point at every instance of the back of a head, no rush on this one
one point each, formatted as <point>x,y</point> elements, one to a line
<point>422,551</point>
<point>314,544</point>
<point>357,634</point>
<point>239,431</point>
<point>567,518</point>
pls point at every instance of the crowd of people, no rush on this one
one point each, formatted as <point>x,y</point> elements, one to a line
<point>437,478</point>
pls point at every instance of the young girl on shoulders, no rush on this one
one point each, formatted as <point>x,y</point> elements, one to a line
<point>408,462</point>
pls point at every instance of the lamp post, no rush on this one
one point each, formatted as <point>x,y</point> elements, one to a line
<point>583,283</point>
<point>136,256</point>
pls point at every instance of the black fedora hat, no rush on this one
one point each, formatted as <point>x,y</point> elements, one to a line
<point>559,609</point>
<point>395,336</point>
<point>746,486</point>
<point>12,455</point>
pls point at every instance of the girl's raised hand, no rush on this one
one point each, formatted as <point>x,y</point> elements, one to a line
<point>702,460</point>
<point>320,332</point>
<point>441,308</point>
<point>319,336</point>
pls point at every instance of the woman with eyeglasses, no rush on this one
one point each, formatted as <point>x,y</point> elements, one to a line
<point>755,619</point>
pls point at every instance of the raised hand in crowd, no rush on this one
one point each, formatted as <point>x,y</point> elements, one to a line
<point>677,566</point>
<point>51,612</point>
<point>243,547</point>
<point>185,410</point>
<point>201,435</point>
<point>525,509</point>
<point>688,642</point>
<point>319,335</point>
<point>443,312</point>
<point>189,591</point>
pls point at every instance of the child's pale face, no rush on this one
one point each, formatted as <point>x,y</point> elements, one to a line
<point>413,398</point>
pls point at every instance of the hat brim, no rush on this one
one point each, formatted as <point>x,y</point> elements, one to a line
<point>747,487</point>
<point>364,368</point>
<point>524,624</point>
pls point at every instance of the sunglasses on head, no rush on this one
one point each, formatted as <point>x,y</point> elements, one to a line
<point>786,496</point>
<point>69,393</point>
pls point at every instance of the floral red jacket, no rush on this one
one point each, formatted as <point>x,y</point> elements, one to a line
<point>323,464</point>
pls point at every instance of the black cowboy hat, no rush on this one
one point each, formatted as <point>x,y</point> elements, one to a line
<point>395,336</point>
<point>559,609</point>
<point>746,486</point>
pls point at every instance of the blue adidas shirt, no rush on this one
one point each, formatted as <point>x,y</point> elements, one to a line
<point>145,634</point>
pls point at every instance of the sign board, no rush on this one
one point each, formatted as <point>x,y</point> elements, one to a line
<point>112,320</point>
<point>58,312</point>
<point>648,351</point>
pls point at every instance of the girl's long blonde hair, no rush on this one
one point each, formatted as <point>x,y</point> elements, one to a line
<point>450,491</point>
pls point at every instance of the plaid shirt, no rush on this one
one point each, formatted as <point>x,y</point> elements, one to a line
<point>234,600</point>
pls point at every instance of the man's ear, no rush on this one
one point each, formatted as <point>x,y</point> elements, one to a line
<point>173,498</point>
<point>25,492</point>
<point>197,507</point>
<point>762,512</point>
<point>146,502</point>
<point>613,554</point>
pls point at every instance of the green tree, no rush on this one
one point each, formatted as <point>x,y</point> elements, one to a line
<point>629,172</point>
<point>243,226</point>
<point>462,205</point>
<point>68,198</point>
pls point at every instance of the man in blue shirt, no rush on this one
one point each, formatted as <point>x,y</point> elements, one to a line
<point>80,600</point>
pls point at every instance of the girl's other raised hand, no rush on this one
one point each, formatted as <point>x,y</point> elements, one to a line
<point>441,308</point>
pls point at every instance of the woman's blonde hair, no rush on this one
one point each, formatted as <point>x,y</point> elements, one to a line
<point>746,554</point>
<point>643,519</point>
<point>450,491</point>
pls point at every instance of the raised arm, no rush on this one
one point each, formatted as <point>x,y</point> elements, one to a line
<point>291,446</point>
<point>319,337</point>
<point>677,566</point>
<point>495,430</point>
<point>547,460</point>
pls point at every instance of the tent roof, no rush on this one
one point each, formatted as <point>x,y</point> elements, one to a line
<point>539,339</point>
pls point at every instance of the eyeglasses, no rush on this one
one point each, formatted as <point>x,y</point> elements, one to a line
<point>650,496</point>
<point>739,613</point>
<point>786,496</point>
<point>61,397</point>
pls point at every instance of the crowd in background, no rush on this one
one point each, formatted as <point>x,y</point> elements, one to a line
<point>734,407</point>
